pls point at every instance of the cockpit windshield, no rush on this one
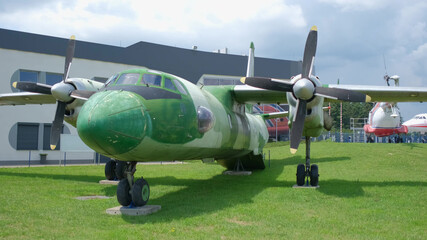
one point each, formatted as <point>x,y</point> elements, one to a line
<point>169,84</point>
<point>147,79</point>
<point>151,79</point>
<point>111,79</point>
<point>128,79</point>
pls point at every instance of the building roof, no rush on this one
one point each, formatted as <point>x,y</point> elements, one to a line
<point>187,63</point>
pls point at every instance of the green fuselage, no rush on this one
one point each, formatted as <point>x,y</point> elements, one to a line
<point>168,118</point>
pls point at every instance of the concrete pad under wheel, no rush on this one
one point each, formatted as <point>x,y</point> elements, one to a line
<point>237,173</point>
<point>305,186</point>
<point>135,211</point>
<point>110,182</point>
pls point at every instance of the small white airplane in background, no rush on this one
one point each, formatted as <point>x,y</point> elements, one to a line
<point>417,124</point>
<point>384,118</point>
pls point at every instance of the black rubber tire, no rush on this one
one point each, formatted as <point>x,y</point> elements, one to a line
<point>314,175</point>
<point>300,174</point>
<point>120,169</point>
<point>123,195</point>
<point>110,168</point>
<point>140,192</point>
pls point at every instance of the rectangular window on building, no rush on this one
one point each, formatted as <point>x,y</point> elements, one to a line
<point>28,76</point>
<point>211,82</point>
<point>28,136</point>
<point>225,82</point>
<point>53,78</point>
<point>238,82</point>
<point>46,137</point>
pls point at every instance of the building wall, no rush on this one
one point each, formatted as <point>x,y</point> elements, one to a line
<point>11,62</point>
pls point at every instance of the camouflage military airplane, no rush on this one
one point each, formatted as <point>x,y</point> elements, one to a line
<point>144,115</point>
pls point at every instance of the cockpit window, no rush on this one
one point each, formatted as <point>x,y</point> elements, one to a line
<point>128,78</point>
<point>169,84</point>
<point>152,79</point>
<point>180,87</point>
<point>111,79</point>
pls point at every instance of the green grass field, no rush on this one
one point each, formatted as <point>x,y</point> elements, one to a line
<point>367,191</point>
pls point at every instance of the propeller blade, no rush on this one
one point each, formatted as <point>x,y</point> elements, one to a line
<point>32,87</point>
<point>57,124</point>
<point>60,108</point>
<point>298,124</point>
<point>309,53</point>
<point>342,94</point>
<point>69,56</point>
<point>82,94</point>
<point>267,83</point>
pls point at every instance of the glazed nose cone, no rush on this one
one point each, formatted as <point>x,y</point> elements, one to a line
<point>112,122</point>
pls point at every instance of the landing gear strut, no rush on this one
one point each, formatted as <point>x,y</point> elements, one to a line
<point>115,170</point>
<point>308,171</point>
<point>130,193</point>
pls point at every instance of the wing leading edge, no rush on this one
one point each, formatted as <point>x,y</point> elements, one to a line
<point>24,98</point>
<point>248,94</point>
<point>386,93</point>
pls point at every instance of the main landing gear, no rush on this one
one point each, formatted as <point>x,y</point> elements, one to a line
<point>129,193</point>
<point>307,171</point>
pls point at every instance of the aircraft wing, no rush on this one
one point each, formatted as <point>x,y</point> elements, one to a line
<point>386,93</point>
<point>24,98</point>
<point>248,94</point>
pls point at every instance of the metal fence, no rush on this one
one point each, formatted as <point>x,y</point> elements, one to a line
<point>359,136</point>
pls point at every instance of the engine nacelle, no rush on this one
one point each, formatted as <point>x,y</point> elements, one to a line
<point>73,107</point>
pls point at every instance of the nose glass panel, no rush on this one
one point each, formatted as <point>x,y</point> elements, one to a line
<point>112,122</point>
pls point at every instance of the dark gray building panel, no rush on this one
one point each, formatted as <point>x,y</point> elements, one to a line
<point>186,63</point>
<point>28,135</point>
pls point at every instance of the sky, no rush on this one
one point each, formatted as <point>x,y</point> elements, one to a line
<point>358,42</point>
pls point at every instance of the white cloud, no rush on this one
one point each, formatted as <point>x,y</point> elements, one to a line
<point>176,23</point>
<point>357,5</point>
<point>410,24</point>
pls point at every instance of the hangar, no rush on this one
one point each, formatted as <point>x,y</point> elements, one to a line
<point>24,130</point>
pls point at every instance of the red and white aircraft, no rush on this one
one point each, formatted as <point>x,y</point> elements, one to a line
<point>417,123</point>
<point>384,118</point>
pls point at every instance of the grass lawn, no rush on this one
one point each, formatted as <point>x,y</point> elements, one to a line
<point>367,191</point>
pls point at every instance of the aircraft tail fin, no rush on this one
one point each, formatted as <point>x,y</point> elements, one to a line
<point>250,69</point>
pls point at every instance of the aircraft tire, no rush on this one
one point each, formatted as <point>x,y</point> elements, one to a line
<point>140,192</point>
<point>110,168</point>
<point>314,175</point>
<point>120,170</point>
<point>123,195</point>
<point>300,174</point>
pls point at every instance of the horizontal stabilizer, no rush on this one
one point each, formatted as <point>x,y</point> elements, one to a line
<point>275,115</point>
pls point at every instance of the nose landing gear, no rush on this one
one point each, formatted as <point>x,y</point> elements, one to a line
<point>130,193</point>
<point>309,172</point>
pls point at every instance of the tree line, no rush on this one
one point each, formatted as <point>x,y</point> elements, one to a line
<point>349,110</point>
